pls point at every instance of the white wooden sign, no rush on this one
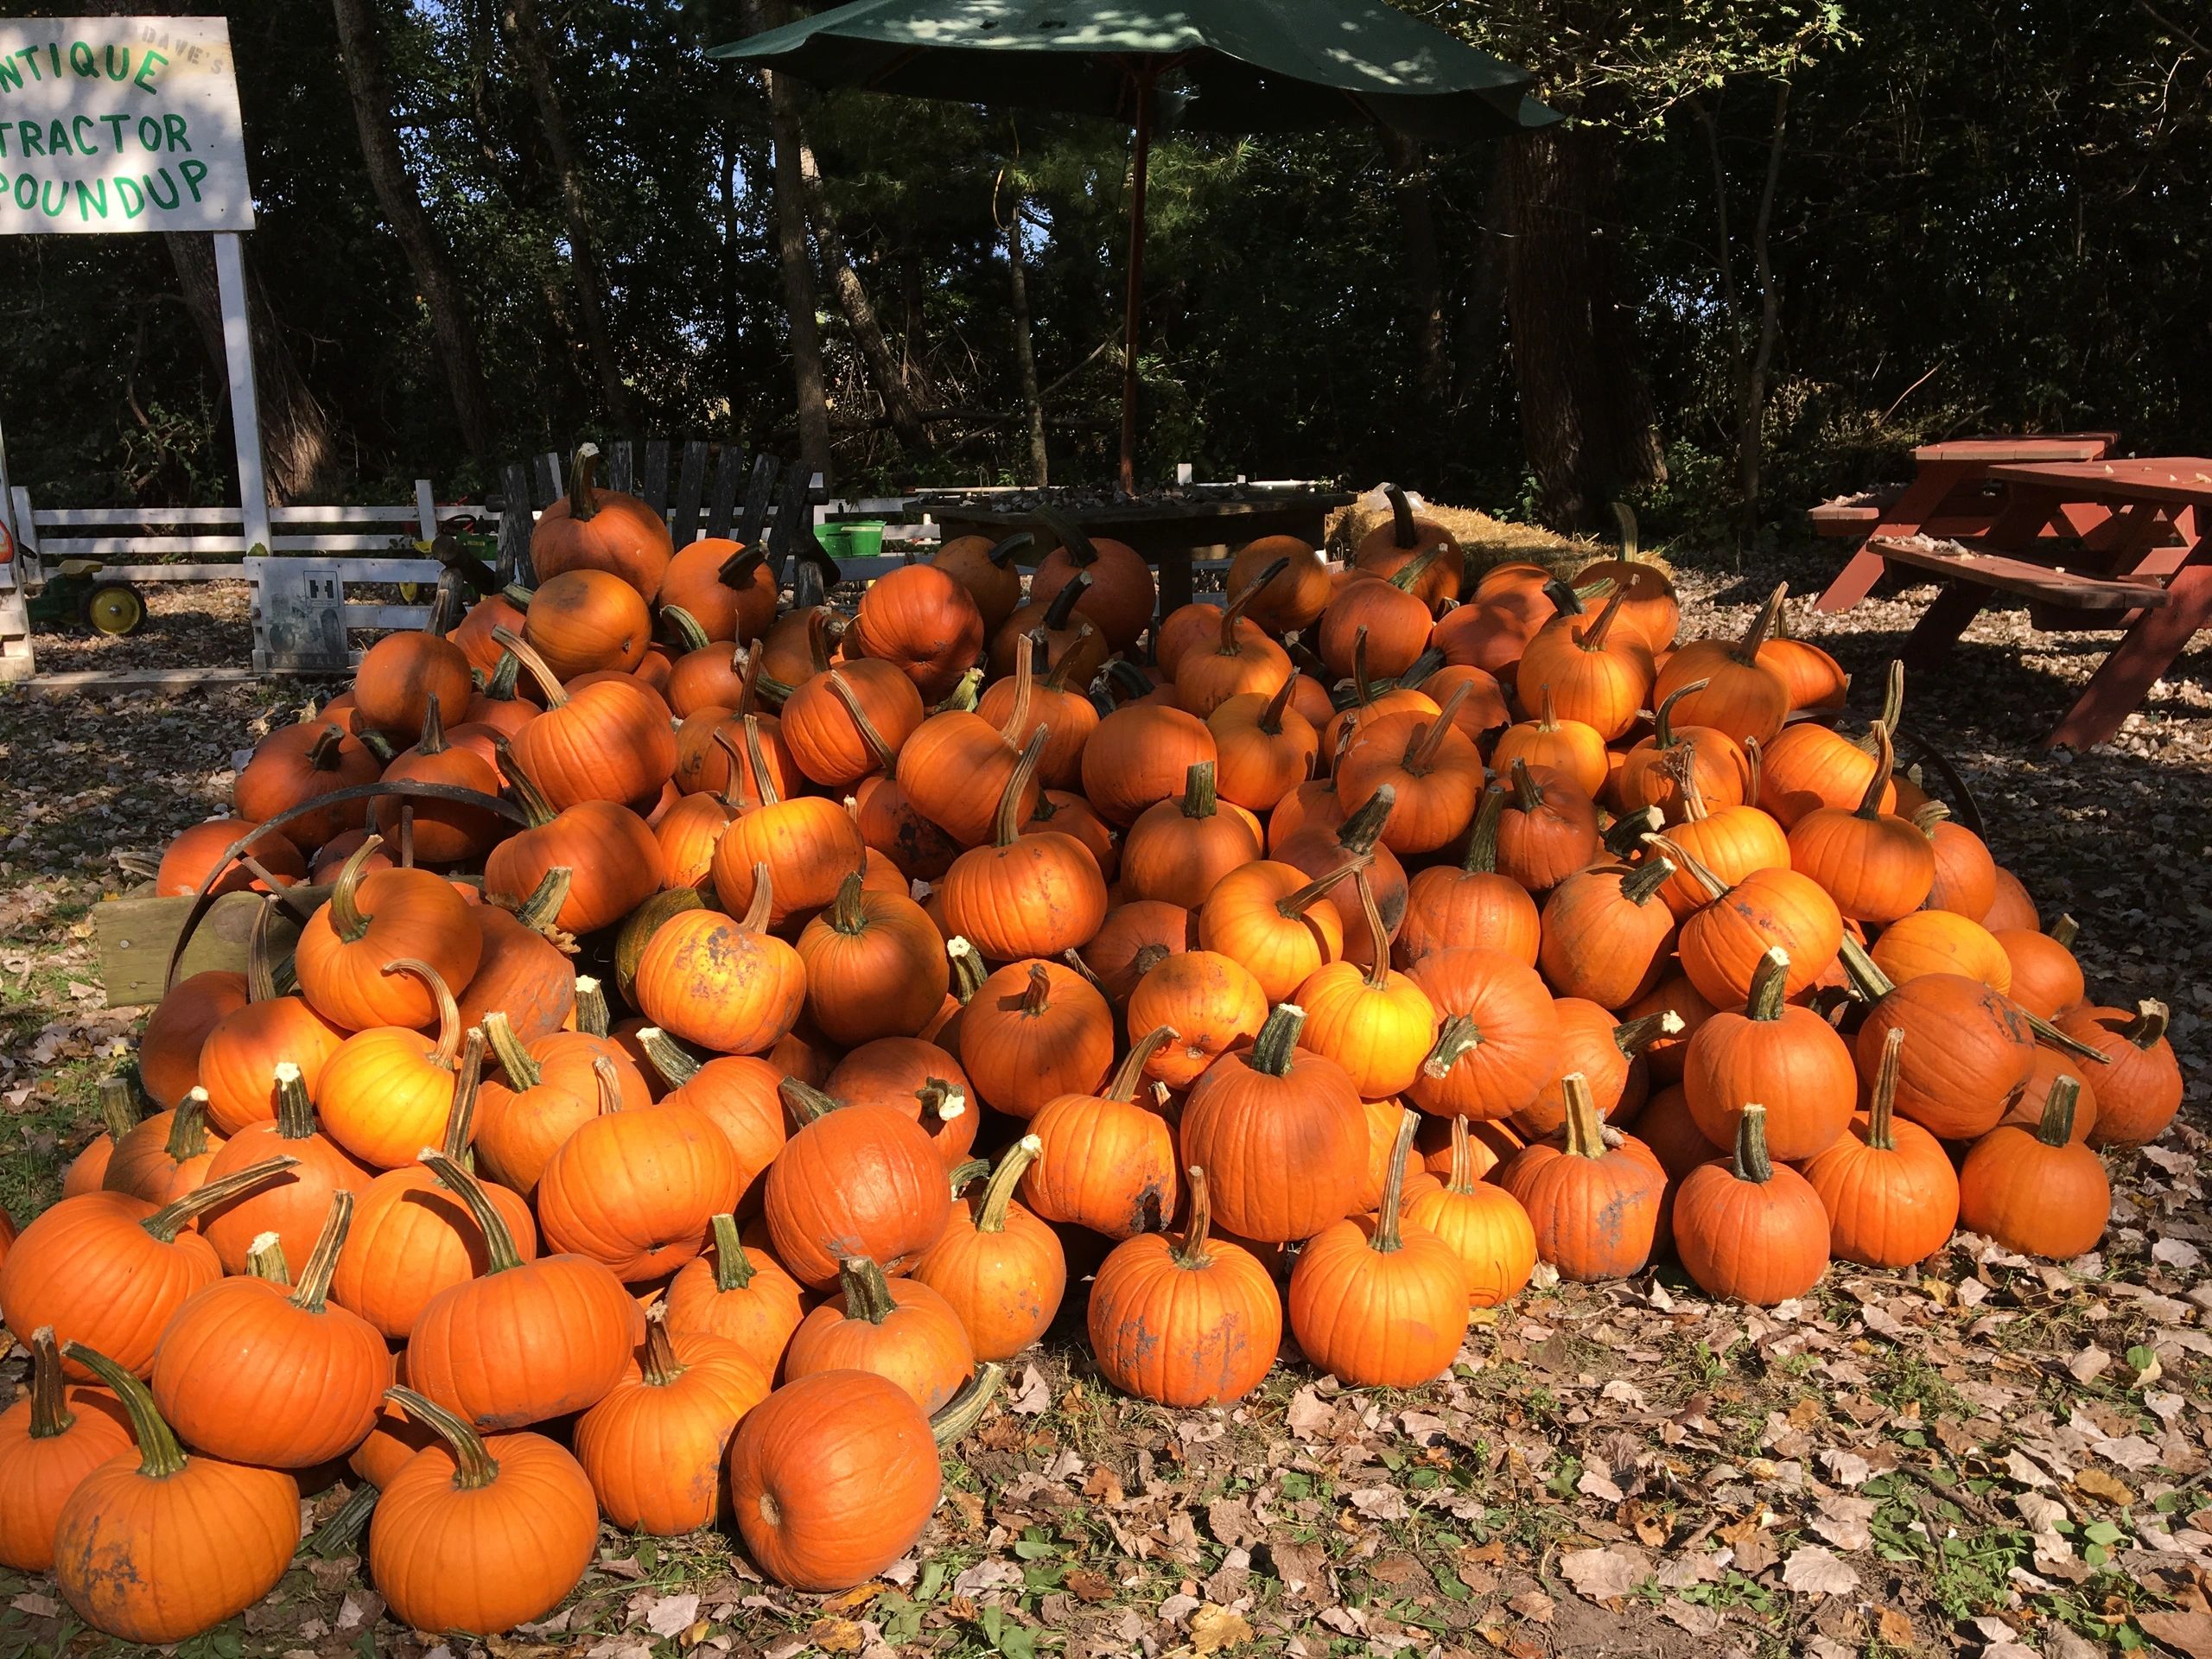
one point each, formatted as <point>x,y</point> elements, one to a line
<point>113,124</point>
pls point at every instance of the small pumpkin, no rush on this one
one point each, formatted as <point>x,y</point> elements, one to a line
<point>1035,1030</point>
<point>806,843</point>
<point>294,1205</point>
<point>1292,582</point>
<point>1548,830</point>
<point>1749,1229</point>
<point>49,1443</point>
<point>1877,869</point>
<point>1567,745</point>
<point>1941,942</point>
<point>592,529</point>
<point>744,1297</point>
<point>239,1057</point>
<point>1140,754</point>
<point>2140,1085</point>
<point>723,981</point>
<point>1178,850</point>
<point>1282,1133</point>
<point>855,1180</point>
<point>1023,894</point>
<point>1592,1194</point>
<point>583,622</point>
<point>1432,767</point>
<point>1598,674</point>
<point>1722,769</point>
<point>986,571</point>
<point>904,1331</point>
<point>1723,942</point>
<point>1971,1047</point>
<point>2046,979</point>
<point>1374,1021</point>
<point>1497,1034</point>
<point>1787,1058</point>
<point>1281,925</point>
<point>1887,1184</point>
<point>1209,1001</point>
<point>1103,1161</point>
<point>1001,1270</point>
<point>1264,747</point>
<point>1743,696</point>
<point>301,763</point>
<point>614,859</point>
<point>400,673</point>
<point>2042,1194</point>
<point>1606,934</point>
<point>1470,904</point>
<point>1482,1224</point>
<point>370,922</point>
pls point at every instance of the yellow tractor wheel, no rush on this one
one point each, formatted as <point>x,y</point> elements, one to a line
<point>115,608</point>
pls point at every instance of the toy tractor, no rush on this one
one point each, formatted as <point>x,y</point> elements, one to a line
<point>72,594</point>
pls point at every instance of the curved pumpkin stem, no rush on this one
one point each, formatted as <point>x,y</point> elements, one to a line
<point>160,1457</point>
<point>1388,1238</point>
<point>346,920</point>
<point>1130,1074</point>
<point>610,1084</point>
<point>475,1468</point>
<point>2149,1025</point>
<point>1751,1162</point>
<point>846,913</point>
<point>523,1072</point>
<point>1770,979</point>
<point>460,1115</point>
<point>1414,569</point>
<point>736,571</point>
<point>806,1101</point>
<point>1270,720</point>
<point>1036,991</point>
<point>295,1111</point>
<point>441,994</point>
<point>1404,532</point>
<point>1869,802</point>
<point>867,1293</point>
<point>187,1137</point>
<point>264,1260</point>
<point>1421,744</point>
<point>1528,793</point>
<point>1192,1254</point>
<point>1006,825</point>
<point>733,1269</point>
<point>1455,1037</point>
<point>2057,1126</point>
<point>684,627</point>
<point>51,1417</point>
<point>1377,977</point>
<point>817,637</point>
<point>841,689</point>
<point>755,919</point>
<point>1662,717</point>
<point>1358,833</point>
<point>966,1409</point>
<point>540,913</point>
<point>583,471</point>
<point>1233,613</point>
<point>1868,983</point>
<point>966,1174</point>
<point>315,1278</point>
<point>676,1064</point>
<point>1583,1139</point>
<point>535,806</point>
<point>1295,904</point>
<point>433,739</point>
<point>1633,1036</point>
<point>500,1253</point>
<point>1881,1128</point>
<point>757,757</point>
<point>1481,855</point>
<point>990,1215</point>
<point>1683,859</point>
<point>1591,636</point>
<point>1746,650</point>
<point>1680,768</point>
<point>1463,1159</point>
<point>1271,1050</point>
<point>658,1366</point>
<point>169,1221</point>
<point>1754,759</point>
<point>968,975</point>
<point>535,665</point>
<point>1640,885</point>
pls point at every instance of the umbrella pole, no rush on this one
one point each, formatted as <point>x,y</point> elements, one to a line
<point>1133,317</point>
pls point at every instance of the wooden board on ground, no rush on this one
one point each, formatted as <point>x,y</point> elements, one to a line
<point>135,936</point>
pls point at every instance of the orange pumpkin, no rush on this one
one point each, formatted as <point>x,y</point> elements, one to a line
<point>1749,1229</point>
<point>591,528</point>
<point>806,843</point>
<point>1280,1132</point>
<point>744,1297</point>
<point>728,588</point>
<point>1481,1224</point>
<point>610,738</point>
<point>904,1331</point>
<point>370,922</point>
<point>1471,904</point>
<point>1292,581</point>
<point>1591,1195</point>
<point>1023,895</point>
<point>1103,1161</point>
<point>1497,1038</point>
<point>1887,1184</point>
<point>729,985</point>
<point>1035,1031</point>
<point>1742,695</point>
<point>855,1180</point>
<point>48,1444</point>
<point>2140,1085</point>
<point>1788,1058</point>
<point>2040,1193</point>
<point>1597,674</point>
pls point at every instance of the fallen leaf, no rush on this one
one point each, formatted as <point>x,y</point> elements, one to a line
<point>1216,1630</point>
<point>2097,1483</point>
<point>1895,1630</point>
<point>670,1615</point>
<point>1034,1397</point>
<point>1698,1621</point>
<point>2089,1365</point>
<point>1087,1585</point>
<point>1843,1520</point>
<point>1533,1605</point>
<point>2190,1633</point>
<point>1601,1575</point>
<point>1309,1413</point>
<point>836,1636</point>
<point>1379,1503</point>
<point>1813,1569</point>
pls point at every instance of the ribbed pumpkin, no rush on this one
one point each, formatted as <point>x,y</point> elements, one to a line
<point>986,571</point>
<point>855,1180</point>
<point>1001,1270</point>
<point>1280,1132</point>
<point>1269,917</point>
<point>923,621</point>
<point>1469,904</point>
<point>1392,617</point>
<point>654,1448</point>
<point>851,720</point>
<point>1185,1321</point>
<point>2025,1108</point>
<point>636,1190</point>
<point>87,1171</point>
<point>1211,1003</point>
<point>955,765</point>
<point>723,981</point>
<point>1742,696</point>
<point>608,740</point>
<point>1389,547</point>
<point>1122,595</point>
<point>1548,830</point>
<point>1380,1301</point>
<point>904,1331</point>
<point>246,1372</point>
<point>832,1479</point>
<point>1497,1034</point>
<point>1323,849</point>
<point>1592,1194</point>
<point>1481,1224</point>
<point>1812,765</point>
<point>389,1089</point>
<point>1940,941</point>
<point>1035,1030</point>
<point>1787,1058</point>
<point>614,859</point>
<point>1723,942</point>
<point>528,1340</point>
<point>728,588</point>
<point>1731,841</point>
<point>195,859</point>
<point>1887,1184</point>
<point>1178,850</point>
<point>1815,679</point>
<point>1567,745</point>
<point>917,1078</point>
<point>582,622</point>
<point>48,1443</point>
<point>521,970</point>
<point>301,763</point>
<point>445,832</point>
<point>2046,979</point>
<point>2013,906</point>
<point>400,673</point>
<point>1374,1021</point>
<point>1103,1161</point>
<point>1431,766</point>
<point>808,844</point>
<point>2140,1085</point>
<point>1749,1229</point>
<point>547,1090</point>
<point>1877,869</point>
<point>2040,1193</point>
<point>1023,894</point>
<point>591,528</point>
<point>1966,875</point>
<point>1970,1049</point>
<point>743,1296</point>
<point>1605,1051</point>
<point>479,1534</point>
<point>293,1205</point>
<point>1264,747</point>
<point>110,1269</point>
<point>1606,934</point>
<point>1142,753</point>
<point>165,1546</point>
<point>875,966</point>
<point>369,922</point>
<point>1596,672</point>
<point>166,1156</point>
<point>1648,776</point>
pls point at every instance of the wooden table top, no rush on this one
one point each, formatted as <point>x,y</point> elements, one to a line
<point>2157,478</point>
<point>1146,513</point>
<point>2052,446</point>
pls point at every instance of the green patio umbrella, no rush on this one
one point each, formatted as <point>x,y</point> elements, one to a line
<point>1219,66</point>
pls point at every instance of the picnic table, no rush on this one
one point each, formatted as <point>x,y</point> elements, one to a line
<point>2090,544</point>
<point>1951,494</point>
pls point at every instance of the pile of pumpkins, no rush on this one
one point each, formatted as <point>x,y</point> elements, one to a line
<point>1323,960</point>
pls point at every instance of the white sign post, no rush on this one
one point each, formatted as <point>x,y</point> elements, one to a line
<point>114,126</point>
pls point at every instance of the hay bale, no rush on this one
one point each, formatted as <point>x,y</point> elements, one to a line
<point>1485,540</point>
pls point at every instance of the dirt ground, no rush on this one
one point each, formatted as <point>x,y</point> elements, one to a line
<point>1991,1455</point>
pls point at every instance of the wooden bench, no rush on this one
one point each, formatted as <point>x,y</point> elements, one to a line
<point>1852,515</point>
<point>1953,561</point>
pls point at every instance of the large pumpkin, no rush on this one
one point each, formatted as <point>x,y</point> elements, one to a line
<point>591,528</point>
<point>1281,1134</point>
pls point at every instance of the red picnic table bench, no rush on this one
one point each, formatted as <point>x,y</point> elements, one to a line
<point>2097,544</point>
<point>1951,494</point>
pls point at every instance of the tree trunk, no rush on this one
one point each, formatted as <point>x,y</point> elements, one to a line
<point>899,401</point>
<point>519,18</point>
<point>369,84</point>
<point>1586,418</point>
<point>300,442</point>
<point>1751,417</point>
<point>1422,272</point>
<point>808,378</point>
<point>1025,352</point>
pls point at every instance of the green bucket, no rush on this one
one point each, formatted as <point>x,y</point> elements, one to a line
<point>836,540</point>
<point>863,538</point>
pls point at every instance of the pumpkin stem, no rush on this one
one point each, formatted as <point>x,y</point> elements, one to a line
<point>345,918</point>
<point>1463,1157</point>
<point>322,1260</point>
<point>675,1064</point>
<point>2148,1026</point>
<point>295,1111</point>
<point>523,1073</point>
<point>867,1293</point>
<point>1017,718</point>
<point>1481,856</point>
<point>968,974</point>
<point>966,1409</point>
<point>966,1174</point>
<point>1403,530</point>
<point>1271,1050</point>
<point>500,1253</point>
<point>877,745</point>
<point>1073,541</point>
<point>541,910</point>
<point>1633,1036</point>
<point>537,666</point>
<point>1294,905</point>
<point>159,1455</point>
<point>1870,803</point>
<point>1456,1035</point>
<point>1131,1072</point>
<point>449,1010</point>
<point>583,504</point>
<point>475,1467</point>
<point>990,1218</point>
<point>1927,815</point>
<point>535,806</point>
<point>610,1084</point>
<point>1592,636</point>
<point>1006,825</point>
<point>1640,884</point>
<point>757,757</point>
<point>187,1137</point>
<point>1358,833</point>
<point>736,571</point>
<point>1683,859</point>
<point>433,740</point>
<point>1199,799</point>
<point>755,919</point>
<point>1192,1254</point>
<point>1416,568</point>
<point>845,914</point>
<point>1073,957</point>
<point>734,800</point>
<point>659,1365</point>
<point>1662,718</point>
<point>1528,793</point>
<point>1061,609</point>
<point>1547,710</point>
<point>1881,1128</point>
<point>817,637</point>
<point>1388,1238</point>
<point>51,1417</point>
<point>1867,980</point>
<point>733,1269</point>
<point>1362,692</point>
<point>1036,991</point>
<point>1770,979</point>
<point>591,1007</point>
<point>806,1101</point>
<point>1004,550</point>
<point>323,756</point>
<point>1148,958</point>
<point>1270,720</point>
<point>119,1107</point>
<point>1746,650</point>
<point>1754,759</point>
<point>1584,1139</point>
<point>1893,694</point>
<point>1422,746</point>
<point>1377,977</point>
<point>167,1222</point>
<point>1070,656</point>
<point>2057,1126</point>
<point>460,1115</point>
<point>1752,1162</point>
<point>689,636</point>
<point>941,1101</point>
<point>2063,931</point>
